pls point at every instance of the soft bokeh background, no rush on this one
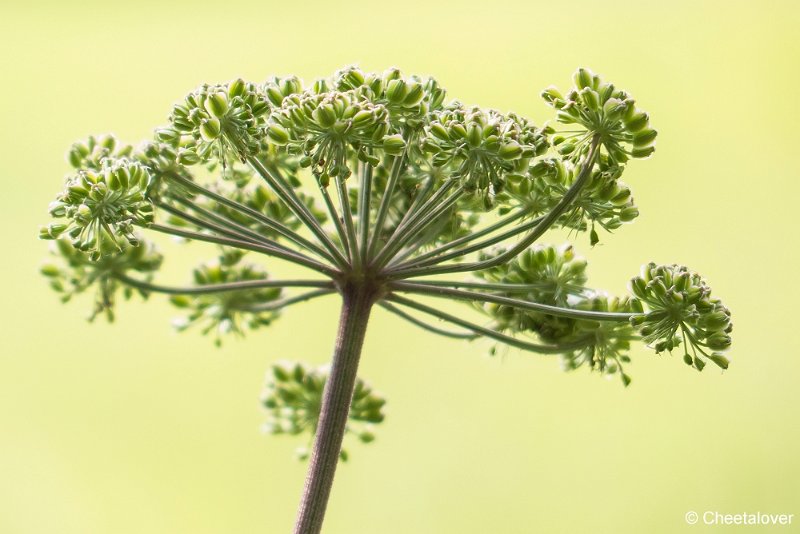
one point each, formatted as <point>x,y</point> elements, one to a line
<point>132,428</point>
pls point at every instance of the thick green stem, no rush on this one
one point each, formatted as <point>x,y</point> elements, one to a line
<point>356,306</point>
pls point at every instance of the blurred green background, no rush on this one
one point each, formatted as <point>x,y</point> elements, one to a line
<point>132,428</point>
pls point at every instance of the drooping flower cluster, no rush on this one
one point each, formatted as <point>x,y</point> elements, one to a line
<point>682,310</point>
<point>604,200</point>
<point>557,276</point>
<point>228,312</point>
<point>293,399</point>
<point>101,207</point>
<point>76,272</point>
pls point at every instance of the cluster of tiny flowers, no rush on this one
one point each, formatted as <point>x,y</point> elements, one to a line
<point>217,121</point>
<point>293,399</point>
<point>604,200</point>
<point>327,127</point>
<point>101,207</point>
<point>553,276</point>
<point>482,147</point>
<point>228,312</point>
<point>408,99</point>
<point>90,152</point>
<point>601,109</point>
<point>682,310</point>
<point>556,276</point>
<point>76,272</point>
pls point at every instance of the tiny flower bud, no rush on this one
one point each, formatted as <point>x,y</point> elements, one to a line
<point>394,144</point>
<point>210,129</point>
<point>217,104</point>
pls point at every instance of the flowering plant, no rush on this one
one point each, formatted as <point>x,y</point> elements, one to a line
<point>381,187</point>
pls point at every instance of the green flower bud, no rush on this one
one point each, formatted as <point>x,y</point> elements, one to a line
<point>394,144</point>
<point>474,135</point>
<point>396,91</point>
<point>414,95</point>
<point>720,360</point>
<point>217,104</point>
<point>628,214</point>
<point>637,122</point>
<point>188,157</point>
<point>566,148</point>
<point>510,151</point>
<point>644,138</point>
<point>278,134</point>
<point>642,152</point>
<point>236,88</point>
<point>439,131</point>
<point>591,98</point>
<point>210,129</point>
<point>582,78</point>
<point>325,116</point>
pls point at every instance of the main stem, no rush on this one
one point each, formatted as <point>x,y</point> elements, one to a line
<point>356,306</point>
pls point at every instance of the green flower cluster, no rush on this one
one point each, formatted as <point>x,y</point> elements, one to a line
<point>408,99</point>
<point>682,310</point>
<point>228,312</point>
<point>482,147</point>
<point>102,207</point>
<point>557,276</point>
<point>76,272</point>
<point>217,121</point>
<point>601,109</point>
<point>327,128</point>
<point>293,399</point>
<point>90,153</point>
<point>604,200</point>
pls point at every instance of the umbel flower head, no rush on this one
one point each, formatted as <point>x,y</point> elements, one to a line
<point>75,272</point>
<point>603,110</point>
<point>682,310</point>
<point>380,180</point>
<point>231,311</point>
<point>101,207</point>
<point>293,399</point>
<point>557,276</point>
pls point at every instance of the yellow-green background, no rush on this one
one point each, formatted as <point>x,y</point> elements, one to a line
<point>132,428</point>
